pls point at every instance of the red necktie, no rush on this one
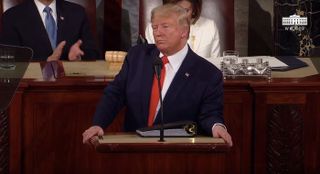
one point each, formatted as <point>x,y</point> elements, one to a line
<point>154,99</point>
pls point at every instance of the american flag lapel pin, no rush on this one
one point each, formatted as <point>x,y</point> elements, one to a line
<point>187,74</point>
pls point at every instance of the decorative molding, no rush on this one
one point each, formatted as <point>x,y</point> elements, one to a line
<point>285,140</point>
<point>4,143</point>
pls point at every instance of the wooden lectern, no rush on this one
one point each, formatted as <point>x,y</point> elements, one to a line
<point>129,153</point>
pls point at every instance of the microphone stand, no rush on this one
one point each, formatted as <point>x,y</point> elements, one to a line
<point>161,114</point>
<point>157,67</point>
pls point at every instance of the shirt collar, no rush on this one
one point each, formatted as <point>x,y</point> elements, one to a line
<point>41,6</point>
<point>176,59</point>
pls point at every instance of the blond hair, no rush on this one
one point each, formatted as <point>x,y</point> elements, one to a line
<point>168,10</point>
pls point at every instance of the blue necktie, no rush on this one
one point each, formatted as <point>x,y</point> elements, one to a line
<point>51,27</point>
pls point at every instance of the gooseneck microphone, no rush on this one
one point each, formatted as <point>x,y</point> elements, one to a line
<point>158,65</point>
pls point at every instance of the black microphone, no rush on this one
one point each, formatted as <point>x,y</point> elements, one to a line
<point>157,65</point>
<point>142,40</point>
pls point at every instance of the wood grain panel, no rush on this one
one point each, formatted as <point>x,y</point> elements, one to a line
<point>238,119</point>
<point>285,139</point>
<point>286,98</point>
<point>163,163</point>
<point>15,132</point>
<point>286,134</point>
<point>4,142</point>
<point>52,129</point>
<point>311,134</point>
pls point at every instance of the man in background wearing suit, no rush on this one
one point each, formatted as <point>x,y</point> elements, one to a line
<point>54,29</point>
<point>192,88</point>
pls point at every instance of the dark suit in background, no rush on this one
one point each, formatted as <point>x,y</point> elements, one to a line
<point>22,26</point>
<point>196,92</point>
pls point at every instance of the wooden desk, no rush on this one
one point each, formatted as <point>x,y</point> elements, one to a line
<point>47,119</point>
<point>175,155</point>
<point>135,143</point>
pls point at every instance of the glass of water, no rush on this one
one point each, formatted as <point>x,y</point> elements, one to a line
<point>230,56</point>
<point>7,60</point>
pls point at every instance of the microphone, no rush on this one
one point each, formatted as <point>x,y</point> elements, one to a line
<point>157,65</point>
<point>142,40</point>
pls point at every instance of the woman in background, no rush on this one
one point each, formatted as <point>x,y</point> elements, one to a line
<point>203,36</point>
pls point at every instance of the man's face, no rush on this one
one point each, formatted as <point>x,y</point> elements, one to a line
<point>169,36</point>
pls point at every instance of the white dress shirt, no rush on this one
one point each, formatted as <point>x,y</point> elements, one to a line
<point>41,6</point>
<point>172,67</point>
<point>203,38</point>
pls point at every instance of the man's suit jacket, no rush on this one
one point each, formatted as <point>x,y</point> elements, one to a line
<point>22,26</point>
<point>196,92</point>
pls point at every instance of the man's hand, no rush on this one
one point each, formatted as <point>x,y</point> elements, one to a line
<point>220,132</point>
<point>87,136</point>
<point>57,52</point>
<point>75,52</point>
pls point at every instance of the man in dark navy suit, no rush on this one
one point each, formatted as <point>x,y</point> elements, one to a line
<point>27,25</point>
<point>192,87</point>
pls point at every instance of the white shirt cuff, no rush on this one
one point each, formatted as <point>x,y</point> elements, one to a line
<point>219,124</point>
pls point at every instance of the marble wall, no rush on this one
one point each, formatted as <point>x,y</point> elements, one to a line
<point>297,39</point>
<point>259,30</point>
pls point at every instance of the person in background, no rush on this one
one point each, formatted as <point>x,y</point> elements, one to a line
<point>204,35</point>
<point>54,29</point>
<point>192,87</point>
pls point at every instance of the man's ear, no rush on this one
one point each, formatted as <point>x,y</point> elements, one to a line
<point>185,34</point>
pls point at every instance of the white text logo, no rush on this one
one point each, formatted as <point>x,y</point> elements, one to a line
<point>294,22</point>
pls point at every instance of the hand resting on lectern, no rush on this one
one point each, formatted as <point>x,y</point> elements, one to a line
<point>90,135</point>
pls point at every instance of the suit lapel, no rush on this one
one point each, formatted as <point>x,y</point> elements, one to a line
<point>60,21</point>
<point>38,26</point>
<point>146,82</point>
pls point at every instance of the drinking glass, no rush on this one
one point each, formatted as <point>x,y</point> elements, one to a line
<point>260,66</point>
<point>6,60</point>
<point>229,55</point>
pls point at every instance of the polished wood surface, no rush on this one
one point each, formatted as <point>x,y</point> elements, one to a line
<point>195,154</point>
<point>47,118</point>
<point>134,143</point>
